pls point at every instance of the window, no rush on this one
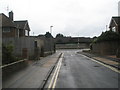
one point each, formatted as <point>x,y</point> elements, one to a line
<point>113,29</point>
<point>35,44</point>
<point>26,32</point>
<point>6,30</point>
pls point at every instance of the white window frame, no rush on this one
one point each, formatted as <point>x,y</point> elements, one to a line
<point>114,29</point>
<point>26,32</point>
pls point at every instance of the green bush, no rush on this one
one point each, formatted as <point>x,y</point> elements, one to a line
<point>7,54</point>
<point>107,36</point>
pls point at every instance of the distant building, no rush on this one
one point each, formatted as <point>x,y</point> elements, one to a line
<point>72,42</point>
<point>115,24</point>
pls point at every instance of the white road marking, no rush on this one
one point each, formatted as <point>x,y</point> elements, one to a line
<point>55,75</point>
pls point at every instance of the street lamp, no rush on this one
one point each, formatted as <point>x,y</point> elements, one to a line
<point>78,42</point>
<point>51,39</point>
<point>51,29</point>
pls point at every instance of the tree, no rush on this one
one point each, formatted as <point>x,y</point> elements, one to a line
<point>48,35</point>
<point>107,36</point>
<point>59,35</point>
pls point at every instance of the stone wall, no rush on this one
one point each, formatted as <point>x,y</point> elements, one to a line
<point>106,48</point>
<point>22,46</point>
<point>49,46</point>
<point>31,47</point>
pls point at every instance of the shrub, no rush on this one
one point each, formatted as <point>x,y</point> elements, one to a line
<point>107,36</point>
<point>7,54</point>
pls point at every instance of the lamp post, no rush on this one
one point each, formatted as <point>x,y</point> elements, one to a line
<point>78,42</point>
<point>51,29</point>
<point>51,39</point>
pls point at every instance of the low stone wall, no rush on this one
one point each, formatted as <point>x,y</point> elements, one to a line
<point>106,48</point>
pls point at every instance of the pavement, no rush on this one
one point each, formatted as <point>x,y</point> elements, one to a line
<point>32,76</point>
<point>106,59</point>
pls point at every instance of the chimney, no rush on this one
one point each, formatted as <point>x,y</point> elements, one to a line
<point>11,15</point>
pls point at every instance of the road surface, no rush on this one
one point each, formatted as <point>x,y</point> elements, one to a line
<point>77,71</point>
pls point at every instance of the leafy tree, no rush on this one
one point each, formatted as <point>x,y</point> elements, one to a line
<point>59,35</point>
<point>107,36</point>
<point>48,35</point>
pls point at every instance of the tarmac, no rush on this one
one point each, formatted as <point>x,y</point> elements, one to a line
<point>111,60</point>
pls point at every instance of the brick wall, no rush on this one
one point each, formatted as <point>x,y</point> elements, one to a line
<point>12,33</point>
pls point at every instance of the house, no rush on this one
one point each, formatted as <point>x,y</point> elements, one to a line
<point>112,46</point>
<point>17,33</point>
<point>23,28</point>
<point>8,26</point>
<point>11,28</point>
<point>115,24</point>
<point>25,46</point>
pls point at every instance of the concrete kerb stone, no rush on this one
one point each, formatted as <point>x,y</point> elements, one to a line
<point>115,66</point>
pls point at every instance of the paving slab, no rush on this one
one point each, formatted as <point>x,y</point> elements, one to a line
<point>33,75</point>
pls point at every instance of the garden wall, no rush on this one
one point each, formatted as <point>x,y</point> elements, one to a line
<point>106,47</point>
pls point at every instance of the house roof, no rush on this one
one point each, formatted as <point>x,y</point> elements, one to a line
<point>6,21</point>
<point>22,24</point>
<point>115,20</point>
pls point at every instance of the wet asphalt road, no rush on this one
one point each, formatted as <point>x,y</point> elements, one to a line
<point>78,71</point>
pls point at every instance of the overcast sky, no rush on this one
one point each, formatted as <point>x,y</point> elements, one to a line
<point>84,18</point>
